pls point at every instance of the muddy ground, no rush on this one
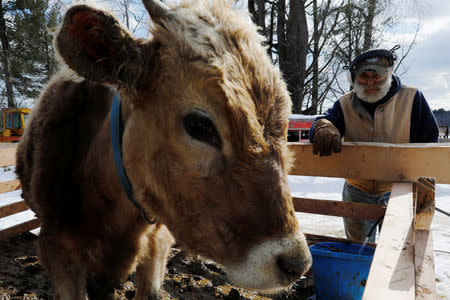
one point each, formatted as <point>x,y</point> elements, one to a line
<point>21,277</point>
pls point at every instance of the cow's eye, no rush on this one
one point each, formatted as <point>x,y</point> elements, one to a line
<point>202,128</point>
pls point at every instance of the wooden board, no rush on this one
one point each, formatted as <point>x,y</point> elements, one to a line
<point>392,271</point>
<point>7,154</point>
<point>424,265</point>
<point>361,211</point>
<point>378,161</point>
<point>13,208</point>
<point>315,238</point>
<point>9,186</point>
<point>19,228</point>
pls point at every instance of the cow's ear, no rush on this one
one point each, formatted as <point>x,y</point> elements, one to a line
<point>92,43</point>
<point>157,10</point>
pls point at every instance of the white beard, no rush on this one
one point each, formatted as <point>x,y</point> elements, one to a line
<point>383,89</point>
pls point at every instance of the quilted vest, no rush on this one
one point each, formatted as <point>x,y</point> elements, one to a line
<point>391,124</point>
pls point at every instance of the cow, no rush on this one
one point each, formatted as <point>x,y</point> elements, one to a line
<point>137,144</point>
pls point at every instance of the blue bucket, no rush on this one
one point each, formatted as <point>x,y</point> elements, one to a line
<point>339,272</point>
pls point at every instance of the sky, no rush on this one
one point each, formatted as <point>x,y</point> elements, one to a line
<point>427,66</point>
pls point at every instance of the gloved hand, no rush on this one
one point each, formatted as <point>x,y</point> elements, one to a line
<point>326,138</point>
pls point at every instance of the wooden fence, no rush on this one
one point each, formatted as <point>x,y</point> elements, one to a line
<point>403,263</point>
<point>8,158</point>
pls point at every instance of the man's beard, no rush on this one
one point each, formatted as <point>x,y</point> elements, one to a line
<point>382,90</point>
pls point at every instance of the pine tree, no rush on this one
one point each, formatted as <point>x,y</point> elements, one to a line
<point>31,44</point>
<point>6,58</point>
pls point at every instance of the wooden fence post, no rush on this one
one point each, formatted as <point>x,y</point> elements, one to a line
<point>423,240</point>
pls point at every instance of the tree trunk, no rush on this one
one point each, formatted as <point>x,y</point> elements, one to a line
<point>252,11</point>
<point>270,34</point>
<point>297,49</point>
<point>6,58</point>
<point>368,28</point>
<point>315,71</point>
<point>46,44</point>
<point>262,17</point>
<point>127,17</point>
<point>351,50</point>
<point>281,34</point>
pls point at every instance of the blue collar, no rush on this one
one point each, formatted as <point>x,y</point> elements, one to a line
<point>116,124</point>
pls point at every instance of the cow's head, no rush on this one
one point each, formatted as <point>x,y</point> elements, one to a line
<point>204,145</point>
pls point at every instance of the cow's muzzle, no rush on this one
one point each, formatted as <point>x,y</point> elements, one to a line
<point>273,265</point>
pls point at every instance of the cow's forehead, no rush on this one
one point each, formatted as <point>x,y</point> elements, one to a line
<point>206,29</point>
<point>225,41</point>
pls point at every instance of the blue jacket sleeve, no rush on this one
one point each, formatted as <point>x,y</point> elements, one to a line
<point>335,115</point>
<point>423,125</point>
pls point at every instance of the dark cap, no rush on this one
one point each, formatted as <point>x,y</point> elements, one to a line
<point>377,64</point>
<point>377,60</point>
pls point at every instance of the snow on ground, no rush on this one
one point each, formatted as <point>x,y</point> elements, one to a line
<point>317,188</point>
<point>7,173</point>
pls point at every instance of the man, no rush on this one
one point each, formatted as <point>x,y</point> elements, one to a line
<point>378,109</point>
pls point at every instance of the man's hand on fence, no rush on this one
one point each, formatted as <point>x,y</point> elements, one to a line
<point>326,138</point>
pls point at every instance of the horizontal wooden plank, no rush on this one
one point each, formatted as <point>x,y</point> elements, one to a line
<point>19,228</point>
<point>355,210</point>
<point>377,161</point>
<point>9,186</point>
<point>13,208</point>
<point>424,264</point>
<point>7,154</point>
<point>392,270</point>
<point>314,238</point>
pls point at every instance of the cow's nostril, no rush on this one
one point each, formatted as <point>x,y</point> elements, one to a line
<point>292,267</point>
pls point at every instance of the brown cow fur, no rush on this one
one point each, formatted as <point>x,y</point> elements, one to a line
<point>221,193</point>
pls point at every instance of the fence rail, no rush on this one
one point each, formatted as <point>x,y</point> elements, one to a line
<point>8,158</point>
<point>13,208</point>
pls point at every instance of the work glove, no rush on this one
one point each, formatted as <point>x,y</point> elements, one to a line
<point>326,138</point>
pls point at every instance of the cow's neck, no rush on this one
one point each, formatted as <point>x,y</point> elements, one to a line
<point>116,125</point>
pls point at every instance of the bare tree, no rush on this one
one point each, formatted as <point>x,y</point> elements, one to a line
<point>293,65</point>
<point>258,12</point>
<point>262,16</point>
<point>362,29</point>
<point>298,52</point>
<point>252,10</point>
<point>406,50</point>
<point>369,24</point>
<point>281,33</point>
<point>320,73</point>
<point>131,12</point>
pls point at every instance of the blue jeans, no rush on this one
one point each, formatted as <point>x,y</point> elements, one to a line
<point>356,229</point>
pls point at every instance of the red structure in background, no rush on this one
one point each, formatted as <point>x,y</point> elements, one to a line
<point>299,126</point>
<point>9,139</point>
